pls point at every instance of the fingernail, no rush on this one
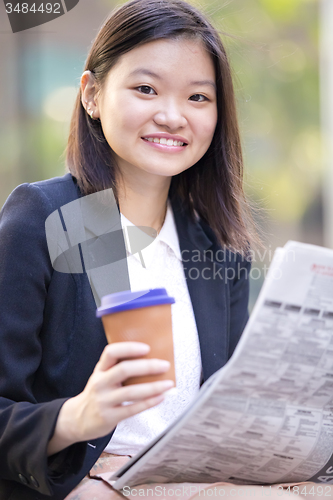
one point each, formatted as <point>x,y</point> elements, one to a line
<point>167,383</point>
<point>164,364</point>
<point>143,347</point>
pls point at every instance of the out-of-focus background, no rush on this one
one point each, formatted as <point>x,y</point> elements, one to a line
<point>280,51</point>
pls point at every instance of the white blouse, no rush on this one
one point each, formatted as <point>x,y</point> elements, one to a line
<point>163,269</point>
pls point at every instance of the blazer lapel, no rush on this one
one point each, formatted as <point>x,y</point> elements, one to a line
<point>207,289</point>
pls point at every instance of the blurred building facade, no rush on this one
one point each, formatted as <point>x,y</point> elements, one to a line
<point>41,70</point>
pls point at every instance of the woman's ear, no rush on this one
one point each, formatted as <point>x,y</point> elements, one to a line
<point>89,92</point>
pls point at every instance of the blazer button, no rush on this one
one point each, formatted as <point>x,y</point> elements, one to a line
<point>34,481</point>
<point>23,479</point>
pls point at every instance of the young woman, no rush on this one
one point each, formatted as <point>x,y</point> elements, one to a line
<point>155,120</point>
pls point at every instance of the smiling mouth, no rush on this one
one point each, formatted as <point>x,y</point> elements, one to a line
<point>164,141</point>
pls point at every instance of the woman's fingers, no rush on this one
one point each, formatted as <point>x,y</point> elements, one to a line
<point>99,408</point>
<point>135,368</point>
<point>127,411</point>
<point>121,350</point>
<point>139,392</point>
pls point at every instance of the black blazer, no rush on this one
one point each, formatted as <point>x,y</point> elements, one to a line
<point>51,340</point>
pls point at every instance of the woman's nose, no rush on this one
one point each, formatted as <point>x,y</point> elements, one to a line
<point>170,116</point>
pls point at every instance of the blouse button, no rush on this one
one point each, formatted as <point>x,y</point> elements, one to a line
<point>34,482</point>
<point>23,479</point>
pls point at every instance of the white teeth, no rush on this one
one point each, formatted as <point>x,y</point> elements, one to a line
<point>163,140</point>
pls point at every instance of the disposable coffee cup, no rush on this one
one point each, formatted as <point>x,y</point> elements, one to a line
<point>143,316</point>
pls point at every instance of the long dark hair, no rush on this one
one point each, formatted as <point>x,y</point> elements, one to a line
<point>213,187</point>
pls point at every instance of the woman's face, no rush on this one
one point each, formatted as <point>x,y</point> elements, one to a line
<point>158,107</point>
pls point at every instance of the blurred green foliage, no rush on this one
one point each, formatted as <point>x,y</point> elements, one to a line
<point>273,47</point>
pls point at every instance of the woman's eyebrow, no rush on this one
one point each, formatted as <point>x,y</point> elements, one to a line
<point>148,72</point>
<point>144,71</point>
<point>204,82</point>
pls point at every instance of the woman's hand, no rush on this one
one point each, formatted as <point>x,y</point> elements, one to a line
<point>99,408</point>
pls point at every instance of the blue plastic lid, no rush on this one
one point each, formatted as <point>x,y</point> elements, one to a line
<point>123,301</point>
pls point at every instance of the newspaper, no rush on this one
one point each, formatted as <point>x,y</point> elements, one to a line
<point>266,417</point>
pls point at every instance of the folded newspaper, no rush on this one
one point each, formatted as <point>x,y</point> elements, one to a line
<point>266,417</point>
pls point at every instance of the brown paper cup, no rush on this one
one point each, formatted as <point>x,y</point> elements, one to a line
<point>143,319</point>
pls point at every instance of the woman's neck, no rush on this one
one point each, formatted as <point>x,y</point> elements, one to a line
<point>144,204</point>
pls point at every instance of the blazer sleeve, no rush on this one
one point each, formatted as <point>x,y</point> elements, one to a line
<point>26,424</point>
<point>239,299</point>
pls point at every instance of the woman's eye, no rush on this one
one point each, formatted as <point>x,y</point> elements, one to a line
<point>146,89</point>
<point>198,98</point>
